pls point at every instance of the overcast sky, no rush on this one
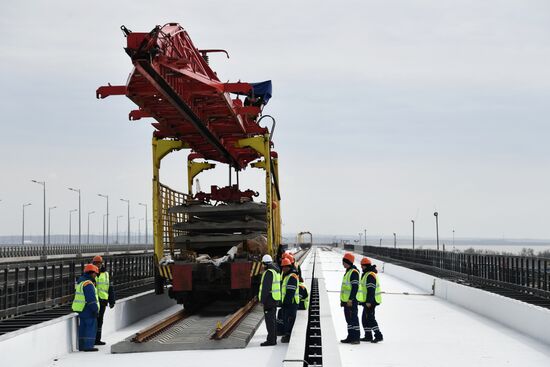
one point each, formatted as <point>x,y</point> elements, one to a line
<point>386,110</point>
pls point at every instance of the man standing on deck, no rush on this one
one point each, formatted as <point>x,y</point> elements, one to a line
<point>290,298</point>
<point>270,295</point>
<point>86,303</point>
<point>105,293</point>
<point>370,296</point>
<point>348,300</point>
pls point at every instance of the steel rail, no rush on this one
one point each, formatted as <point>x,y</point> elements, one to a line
<point>150,331</point>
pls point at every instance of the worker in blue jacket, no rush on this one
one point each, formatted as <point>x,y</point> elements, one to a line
<point>348,299</point>
<point>290,298</point>
<point>86,303</point>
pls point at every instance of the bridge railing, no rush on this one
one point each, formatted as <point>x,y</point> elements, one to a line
<point>38,250</point>
<point>530,274</point>
<point>31,286</point>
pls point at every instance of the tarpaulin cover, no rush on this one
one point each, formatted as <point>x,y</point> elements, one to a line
<point>262,89</point>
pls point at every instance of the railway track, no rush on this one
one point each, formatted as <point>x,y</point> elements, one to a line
<point>180,330</point>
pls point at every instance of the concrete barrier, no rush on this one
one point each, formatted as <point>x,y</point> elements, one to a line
<point>40,344</point>
<point>525,318</point>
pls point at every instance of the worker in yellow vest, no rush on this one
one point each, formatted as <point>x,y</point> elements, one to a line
<point>348,299</point>
<point>370,296</point>
<point>86,303</point>
<point>290,298</point>
<point>105,293</point>
<point>304,295</point>
<point>269,296</point>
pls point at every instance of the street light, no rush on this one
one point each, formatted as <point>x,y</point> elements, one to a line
<point>50,221</point>
<point>70,223</point>
<point>129,219</point>
<point>107,220</point>
<point>365,236</point>
<point>412,221</point>
<point>453,238</point>
<point>88,231</point>
<point>139,230</point>
<point>394,240</point>
<point>43,183</point>
<point>23,231</point>
<point>146,224</point>
<point>360,235</point>
<point>380,242</point>
<point>117,218</point>
<point>79,221</point>
<point>103,228</point>
<point>436,214</point>
<point>128,202</point>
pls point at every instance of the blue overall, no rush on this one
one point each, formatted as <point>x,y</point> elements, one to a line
<point>87,319</point>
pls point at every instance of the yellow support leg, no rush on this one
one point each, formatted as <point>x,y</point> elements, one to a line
<point>161,148</point>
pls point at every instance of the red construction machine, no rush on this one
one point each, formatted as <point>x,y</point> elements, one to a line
<point>205,243</point>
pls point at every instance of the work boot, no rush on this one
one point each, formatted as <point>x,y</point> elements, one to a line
<point>285,339</point>
<point>377,338</point>
<point>367,338</point>
<point>355,341</point>
<point>268,344</point>
<point>99,342</point>
<point>90,350</point>
<point>345,341</point>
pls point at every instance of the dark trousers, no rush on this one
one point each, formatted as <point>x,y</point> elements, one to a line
<point>354,331</point>
<point>102,307</point>
<point>86,333</point>
<point>289,316</point>
<point>271,323</point>
<point>280,323</point>
<point>370,325</point>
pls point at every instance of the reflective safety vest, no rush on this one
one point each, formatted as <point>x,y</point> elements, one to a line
<point>79,301</point>
<point>304,296</point>
<point>296,298</point>
<point>345,291</point>
<point>363,287</point>
<point>102,285</point>
<point>275,287</point>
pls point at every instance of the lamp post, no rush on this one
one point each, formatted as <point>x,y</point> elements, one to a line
<point>129,219</point>
<point>106,197</point>
<point>71,225</point>
<point>117,218</point>
<point>436,215</point>
<point>453,238</point>
<point>394,240</point>
<point>88,231</point>
<point>365,236</point>
<point>128,202</point>
<point>360,235</point>
<point>412,221</point>
<point>79,221</point>
<point>43,183</point>
<point>103,228</point>
<point>50,221</point>
<point>23,231</point>
<point>380,242</point>
<point>146,224</point>
<point>139,230</point>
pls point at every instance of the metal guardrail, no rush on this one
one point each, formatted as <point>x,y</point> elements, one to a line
<point>38,250</point>
<point>522,273</point>
<point>31,286</point>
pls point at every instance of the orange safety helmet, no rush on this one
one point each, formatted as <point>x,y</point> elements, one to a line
<point>91,268</point>
<point>97,259</point>
<point>365,261</point>
<point>349,256</point>
<point>286,262</point>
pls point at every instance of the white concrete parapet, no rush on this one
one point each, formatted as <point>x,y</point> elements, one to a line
<point>42,343</point>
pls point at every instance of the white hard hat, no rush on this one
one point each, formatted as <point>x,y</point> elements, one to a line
<point>267,259</point>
